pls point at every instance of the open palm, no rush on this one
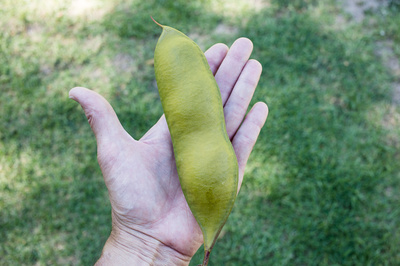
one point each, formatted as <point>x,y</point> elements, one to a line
<point>149,212</point>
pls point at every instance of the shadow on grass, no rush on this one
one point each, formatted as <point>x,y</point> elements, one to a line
<point>132,19</point>
<point>318,189</point>
<point>328,204</point>
<point>52,195</point>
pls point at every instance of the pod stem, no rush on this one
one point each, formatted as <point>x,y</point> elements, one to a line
<point>162,26</point>
<point>206,257</point>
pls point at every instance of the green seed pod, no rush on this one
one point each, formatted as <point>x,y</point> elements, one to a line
<point>205,159</point>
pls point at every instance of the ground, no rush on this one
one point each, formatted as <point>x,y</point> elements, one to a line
<point>321,186</point>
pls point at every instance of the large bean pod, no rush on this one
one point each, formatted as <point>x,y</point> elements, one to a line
<point>205,159</point>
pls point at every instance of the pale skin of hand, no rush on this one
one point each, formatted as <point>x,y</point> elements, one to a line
<point>151,221</point>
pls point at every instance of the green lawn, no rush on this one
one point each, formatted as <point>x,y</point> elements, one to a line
<point>321,186</point>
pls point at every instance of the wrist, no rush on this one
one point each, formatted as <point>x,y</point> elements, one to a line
<point>136,248</point>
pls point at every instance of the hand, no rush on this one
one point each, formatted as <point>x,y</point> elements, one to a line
<point>151,221</point>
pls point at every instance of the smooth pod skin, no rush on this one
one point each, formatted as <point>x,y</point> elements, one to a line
<point>205,159</point>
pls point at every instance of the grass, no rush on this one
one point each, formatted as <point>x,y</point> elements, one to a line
<point>321,185</point>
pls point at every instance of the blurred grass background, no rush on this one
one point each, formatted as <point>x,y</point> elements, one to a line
<point>322,184</point>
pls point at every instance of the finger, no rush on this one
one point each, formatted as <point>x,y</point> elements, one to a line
<point>101,116</point>
<point>215,55</point>
<point>239,100</point>
<point>232,66</point>
<point>245,138</point>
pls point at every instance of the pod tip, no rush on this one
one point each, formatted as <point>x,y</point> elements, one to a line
<point>157,22</point>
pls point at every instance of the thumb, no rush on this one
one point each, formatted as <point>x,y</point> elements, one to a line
<point>101,116</point>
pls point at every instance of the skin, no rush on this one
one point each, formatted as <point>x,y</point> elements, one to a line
<point>151,221</point>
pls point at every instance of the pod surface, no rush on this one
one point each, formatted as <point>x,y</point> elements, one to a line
<point>205,159</point>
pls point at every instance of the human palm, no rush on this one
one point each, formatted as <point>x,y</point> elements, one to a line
<point>145,194</point>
